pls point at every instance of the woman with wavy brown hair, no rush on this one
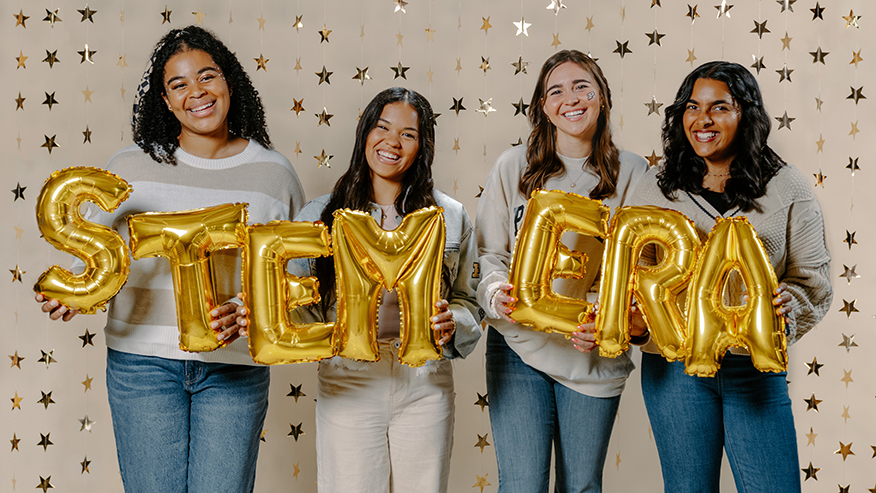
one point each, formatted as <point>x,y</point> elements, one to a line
<point>544,390</point>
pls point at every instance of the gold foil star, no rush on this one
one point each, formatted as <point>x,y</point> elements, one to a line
<point>45,441</point>
<point>485,65</point>
<point>850,274</point>
<point>87,14</point>
<point>18,233</point>
<point>457,106</point>
<point>820,143</point>
<point>480,192</point>
<point>856,57</point>
<point>653,159</point>
<point>199,16</point>
<point>429,74</point>
<point>622,48</point>
<point>786,42</point>
<point>848,341</point>
<point>324,34</point>
<point>854,131</point>
<point>760,29</point>
<point>848,308</point>
<point>324,117</point>
<point>556,42</point>
<point>847,377</point>
<point>519,65</point>
<point>556,5</point>
<point>87,93</point>
<point>522,26</point>
<point>296,392</point>
<point>16,274</point>
<point>52,17</point>
<point>46,399</point>
<point>51,58</point>
<point>482,401</point>
<point>296,431</point>
<point>845,415</point>
<point>654,38</point>
<point>86,424</point>
<point>324,76</point>
<point>851,19</point>
<point>655,2</point>
<point>262,20</point>
<point>817,12</point>
<point>400,5</point>
<point>298,24</point>
<point>723,9</point>
<point>786,4</point>
<point>298,64</point>
<point>50,143</point>
<point>590,25</point>
<point>856,94</point>
<point>45,483</point>
<point>16,401</point>
<point>812,403</point>
<point>818,55</point>
<point>85,463</point>
<point>691,57</point>
<point>758,63</point>
<point>86,55</point>
<point>50,100</point>
<point>297,147</point>
<point>785,121</point>
<point>262,63</point>
<point>21,58</point>
<point>785,73</point>
<point>362,75</point>
<point>296,471</point>
<point>86,135</point>
<point>853,165</point>
<point>165,16</point>
<point>18,192</point>
<point>814,367</point>
<point>20,18</point>
<point>520,107</point>
<point>15,440</point>
<point>653,106</point>
<point>399,71</point>
<point>850,238</point>
<point>810,437</point>
<point>482,442</point>
<point>47,358</point>
<point>486,26</point>
<point>16,360</point>
<point>87,338</point>
<point>19,102</point>
<point>458,65</point>
<point>123,61</point>
<point>481,482</point>
<point>87,382</point>
<point>810,472</point>
<point>692,13</point>
<point>298,106</point>
<point>430,33</point>
<point>486,107</point>
<point>399,36</point>
<point>456,145</point>
<point>323,160</point>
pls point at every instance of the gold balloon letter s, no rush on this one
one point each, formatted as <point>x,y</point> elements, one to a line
<point>186,239</point>
<point>540,257</point>
<point>409,259</point>
<point>101,249</point>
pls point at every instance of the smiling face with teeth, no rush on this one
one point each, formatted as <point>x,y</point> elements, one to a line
<point>711,120</point>
<point>198,96</point>
<point>391,148</point>
<point>572,102</point>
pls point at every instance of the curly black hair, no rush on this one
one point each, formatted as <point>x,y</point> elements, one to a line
<point>156,129</point>
<point>354,189</point>
<point>755,162</point>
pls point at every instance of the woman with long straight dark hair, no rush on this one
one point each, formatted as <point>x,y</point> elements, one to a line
<point>384,426</point>
<point>544,393</point>
<point>718,164</point>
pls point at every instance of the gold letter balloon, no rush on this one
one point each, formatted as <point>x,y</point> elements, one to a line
<point>408,259</point>
<point>101,249</point>
<point>271,293</point>
<point>540,257</point>
<point>713,327</point>
<point>186,239</point>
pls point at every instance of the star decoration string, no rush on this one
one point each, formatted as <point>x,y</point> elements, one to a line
<point>399,71</point>
<point>653,159</point>
<point>848,341</point>
<point>856,94</point>
<point>86,55</point>
<point>812,403</point>
<point>758,63</point>
<point>47,358</point>
<point>87,338</point>
<point>485,65</point>
<point>400,5</point>
<point>786,4</point>
<point>15,441</point>
<point>818,55</point>
<point>50,100</point>
<point>296,431</point>
<point>45,483</point>
<point>86,135</point>
<point>20,19</point>
<point>519,65</point>
<point>850,238</point>
<point>16,360</point>
<point>849,308</point>
<point>296,392</point>
<point>723,9</point>
<point>165,16</point>
<point>520,107</point>
<point>622,48</point>
<point>811,472</point>
<point>16,273</point>
<point>814,367</point>
<point>85,463</point>
<point>849,273</point>
<point>50,143</point>
<point>481,482</point>
<point>856,57</point>
<point>324,117</point>
<point>760,29</point>
<point>852,20</point>
<point>556,5</point>
<point>18,191</point>
<point>653,106</point>
<point>485,27</point>
<point>262,63</point>
<point>87,383</point>
<point>654,38</point>
<point>323,160</point>
<point>853,165</point>
<point>847,378</point>
<point>522,27</point>
<point>486,107</point>
<point>16,401</point>
<point>362,75</point>
<point>51,58</point>
<point>324,76</point>
<point>810,437</point>
<point>45,441</point>
<point>457,105</point>
<point>87,14</point>
<point>482,401</point>
<point>482,442</point>
<point>199,16</point>
<point>784,121</point>
<point>52,17</point>
<point>298,106</point>
<point>20,59</point>
<point>46,399</point>
<point>86,424</point>
<point>692,13</point>
<point>785,73</point>
<point>324,34</point>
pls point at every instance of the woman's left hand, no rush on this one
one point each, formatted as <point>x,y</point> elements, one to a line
<point>443,323</point>
<point>225,321</point>
<point>782,298</point>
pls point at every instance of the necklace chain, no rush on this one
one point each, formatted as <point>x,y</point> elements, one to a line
<point>575,182</point>
<point>718,174</point>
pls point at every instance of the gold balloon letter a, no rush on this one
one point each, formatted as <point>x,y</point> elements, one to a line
<point>104,252</point>
<point>712,326</point>
<point>409,259</point>
<point>656,287</point>
<point>186,239</point>
<point>271,293</point>
<point>539,258</point>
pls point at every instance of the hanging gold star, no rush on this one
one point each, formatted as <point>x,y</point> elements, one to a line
<point>87,14</point>
<point>482,442</point>
<point>429,74</point>
<point>87,93</point>
<point>20,59</point>
<point>690,56</point>
<point>556,42</point>
<point>819,179</point>
<point>785,121</point>
<point>852,20</point>
<point>810,472</point>
<point>590,25</point>
<point>296,392</point>
<point>165,16</point>
<point>297,147</point>
<point>362,75</point>
<point>18,233</point>
<point>47,358</point>
<point>296,471</point>
<point>481,482</point>
<point>19,102</point>
<point>723,9</point>
<point>18,193</point>
<point>786,4</point>
<point>86,55</point>
<point>622,48</point>
<point>810,437</point>
<point>653,159</point>
<point>848,341</point>
<point>86,135</point>
<point>20,18</point>
<point>458,66</point>
<point>399,37</point>
<point>760,29</point>
<point>814,367</point>
<point>853,165</point>
<point>817,12</point>
<point>486,26</point>
<point>519,65</point>
<point>297,64</point>
<point>199,16</point>
<point>323,160</point>
<point>856,57</point>
<point>847,377</point>
<point>324,34</point>
<point>520,107</point>
<point>653,106</point>
<point>298,24</point>
<point>457,106</point>
<point>87,338</point>
<point>52,17</point>
<point>456,145</point>
<point>45,483</point>
<point>45,442</point>
<point>617,462</point>
<point>758,63</point>
<point>16,360</point>
<point>623,13</point>
<point>818,55</point>
<point>16,274</point>
<point>400,5</point>
<point>50,100</point>
<point>854,131</point>
<point>480,192</point>
<point>850,274</point>
<point>556,5</point>
<point>324,117</point>
<point>655,2</point>
<point>298,106</point>
<point>692,13</point>
<point>399,71</point>
<point>522,26</point>
<point>654,38</point>
<point>429,33</point>
<point>455,186</point>
<point>262,20</point>
<point>820,143</point>
<point>485,65</point>
<point>52,58</point>
<point>262,63</point>
<point>85,463</point>
<point>296,431</point>
<point>856,94</point>
<point>324,76</point>
<point>486,107</point>
<point>123,61</point>
<point>845,414</point>
<point>16,401</point>
<point>87,382</point>
<point>482,401</point>
<point>50,143</point>
<point>15,440</point>
<point>812,403</point>
<point>786,42</point>
<point>86,424</point>
<point>850,238</point>
<point>785,73</point>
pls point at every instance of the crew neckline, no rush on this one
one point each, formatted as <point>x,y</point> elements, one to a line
<point>242,157</point>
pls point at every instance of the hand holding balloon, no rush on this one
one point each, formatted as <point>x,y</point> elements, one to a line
<point>501,299</point>
<point>782,298</point>
<point>443,323</point>
<point>55,309</point>
<point>226,321</point>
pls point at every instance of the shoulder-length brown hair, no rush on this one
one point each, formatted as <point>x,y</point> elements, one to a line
<point>541,153</point>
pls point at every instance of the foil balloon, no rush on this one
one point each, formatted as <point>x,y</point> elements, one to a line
<point>186,239</point>
<point>271,293</point>
<point>713,327</point>
<point>101,249</point>
<point>408,259</point>
<point>540,257</point>
<point>655,287</point>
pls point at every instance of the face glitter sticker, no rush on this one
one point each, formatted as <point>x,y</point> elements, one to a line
<point>591,95</point>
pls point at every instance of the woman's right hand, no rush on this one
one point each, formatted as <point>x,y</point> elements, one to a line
<point>501,299</point>
<point>55,309</point>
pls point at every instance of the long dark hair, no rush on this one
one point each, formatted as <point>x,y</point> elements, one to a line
<point>755,162</point>
<point>156,129</point>
<point>541,152</point>
<point>354,189</point>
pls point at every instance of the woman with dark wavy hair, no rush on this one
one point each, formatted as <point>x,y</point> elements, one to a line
<point>189,421</point>
<point>383,426</point>
<point>718,165</point>
<point>543,391</point>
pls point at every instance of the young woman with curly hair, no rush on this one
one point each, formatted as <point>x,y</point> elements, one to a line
<point>718,164</point>
<point>189,421</point>
<point>543,391</point>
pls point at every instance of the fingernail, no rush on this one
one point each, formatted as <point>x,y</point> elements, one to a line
<point>243,311</point>
<point>214,312</point>
<point>220,336</point>
<point>213,325</point>
<point>53,303</point>
<point>434,319</point>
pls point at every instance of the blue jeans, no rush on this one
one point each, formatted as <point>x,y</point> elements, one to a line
<point>186,426</point>
<point>741,409</point>
<point>529,412</point>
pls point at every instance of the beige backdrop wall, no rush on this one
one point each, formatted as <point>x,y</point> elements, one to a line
<point>453,49</point>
